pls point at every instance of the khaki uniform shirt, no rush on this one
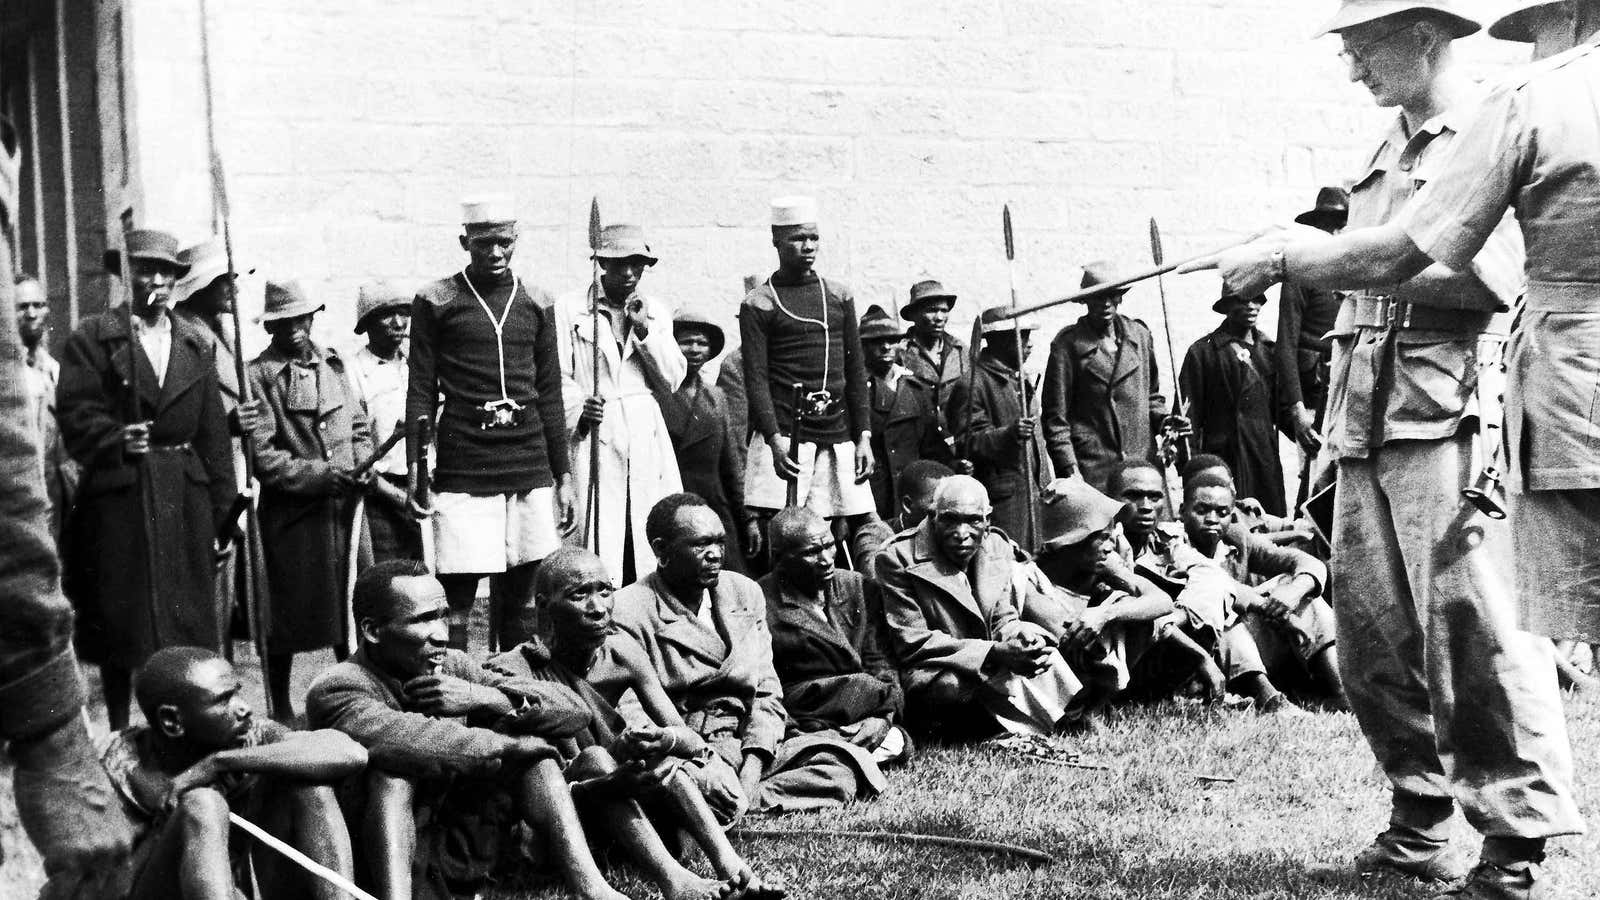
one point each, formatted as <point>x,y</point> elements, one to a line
<point>1534,146</point>
<point>1414,375</point>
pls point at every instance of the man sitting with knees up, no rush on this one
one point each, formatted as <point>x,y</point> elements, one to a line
<point>202,755</point>
<point>569,639</point>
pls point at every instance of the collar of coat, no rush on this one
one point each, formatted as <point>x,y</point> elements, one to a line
<point>188,362</point>
<point>682,628</point>
<point>276,360</point>
<point>1085,343</point>
<point>790,606</point>
<point>992,570</point>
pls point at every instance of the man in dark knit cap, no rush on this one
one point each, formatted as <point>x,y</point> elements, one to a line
<point>484,343</point>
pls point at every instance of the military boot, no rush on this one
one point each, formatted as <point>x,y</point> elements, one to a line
<point>1500,881</point>
<point>1416,844</point>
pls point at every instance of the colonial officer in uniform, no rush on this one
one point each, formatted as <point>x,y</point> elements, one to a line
<point>1402,533</point>
<point>1102,393</point>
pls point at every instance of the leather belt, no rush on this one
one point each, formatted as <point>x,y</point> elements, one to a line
<point>1385,311</point>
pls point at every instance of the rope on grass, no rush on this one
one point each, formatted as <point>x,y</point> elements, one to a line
<point>300,859</point>
<point>904,837</point>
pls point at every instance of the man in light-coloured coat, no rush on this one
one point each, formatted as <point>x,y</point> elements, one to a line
<point>637,348</point>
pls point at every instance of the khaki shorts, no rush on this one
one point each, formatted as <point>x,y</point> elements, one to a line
<point>483,535</point>
<point>827,480</point>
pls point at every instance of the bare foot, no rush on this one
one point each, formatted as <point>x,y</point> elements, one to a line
<point>694,887</point>
<point>751,887</point>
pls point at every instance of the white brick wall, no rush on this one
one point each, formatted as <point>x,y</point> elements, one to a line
<point>351,129</point>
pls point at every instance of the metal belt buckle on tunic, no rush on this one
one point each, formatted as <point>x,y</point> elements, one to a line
<point>505,413</point>
<point>818,404</point>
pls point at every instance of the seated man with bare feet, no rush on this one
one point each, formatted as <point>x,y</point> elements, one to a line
<point>201,756</point>
<point>704,631</point>
<point>827,643</point>
<point>569,640</point>
<point>457,752</point>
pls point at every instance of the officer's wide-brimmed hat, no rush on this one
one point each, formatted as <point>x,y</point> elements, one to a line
<point>623,242</point>
<point>488,209</point>
<point>1228,299</point>
<point>147,243</point>
<point>923,292</point>
<point>1514,24</point>
<point>376,297</point>
<point>1333,204</point>
<point>691,319</point>
<point>285,300</point>
<point>1355,12</point>
<point>1081,511</point>
<point>991,322</point>
<point>1100,272</point>
<point>207,261</point>
<point>876,325</point>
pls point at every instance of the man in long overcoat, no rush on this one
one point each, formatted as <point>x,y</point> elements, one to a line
<point>1102,394</point>
<point>311,435</point>
<point>994,433</point>
<point>178,439</point>
<point>900,406</point>
<point>1235,401</point>
<point>637,349</point>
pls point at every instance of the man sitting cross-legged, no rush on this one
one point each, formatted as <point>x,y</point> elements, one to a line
<point>705,633</point>
<point>1120,630</point>
<point>455,749</point>
<point>569,639</point>
<point>952,594</point>
<point>827,644</point>
<point>202,755</point>
<point>1276,597</point>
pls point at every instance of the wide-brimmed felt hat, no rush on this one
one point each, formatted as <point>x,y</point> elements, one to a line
<point>380,296</point>
<point>1228,299</point>
<point>623,242</point>
<point>1356,12</point>
<point>1100,272</point>
<point>207,261</point>
<point>691,319</point>
<point>1332,203</point>
<point>1513,24</point>
<point>923,292</point>
<point>993,320</point>
<point>876,325</point>
<point>285,300</point>
<point>147,243</point>
<point>1081,511</point>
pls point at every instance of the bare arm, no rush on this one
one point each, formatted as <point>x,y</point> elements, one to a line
<point>1364,257</point>
<point>302,755</point>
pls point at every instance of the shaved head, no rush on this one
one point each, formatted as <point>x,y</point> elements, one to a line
<point>561,568</point>
<point>167,677</point>
<point>792,527</point>
<point>960,491</point>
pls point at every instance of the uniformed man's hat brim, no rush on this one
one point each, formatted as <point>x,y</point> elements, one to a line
<point>1514,24</point>
<point>1358,12</point>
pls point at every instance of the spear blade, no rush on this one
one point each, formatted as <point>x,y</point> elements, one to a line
<point>1158,255</point>
<point>1011,244</point>
<point>594,223</point>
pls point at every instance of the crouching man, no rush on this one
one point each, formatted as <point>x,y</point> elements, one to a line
<point>705,633</point>
<point>570,640</point>
<point>458,752</point>
<point>953,591</point>
<point>202,755</point>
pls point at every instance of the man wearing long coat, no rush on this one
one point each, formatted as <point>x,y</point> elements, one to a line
<point>189,465</point>
<point>311,434</point>
<point>1102,394</point>
<point>637,347</point>
<point>1235,402</point>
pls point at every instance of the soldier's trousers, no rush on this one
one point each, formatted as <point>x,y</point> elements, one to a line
<point>1454,700</point>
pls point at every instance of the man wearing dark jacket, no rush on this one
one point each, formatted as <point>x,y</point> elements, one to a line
<point>1235,401</point>
<point>1102,393</point>
<point>177,440</point>
<point>903,425</point>
<point>995,432</point>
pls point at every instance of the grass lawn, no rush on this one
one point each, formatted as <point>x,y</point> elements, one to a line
<point>1306,797</point>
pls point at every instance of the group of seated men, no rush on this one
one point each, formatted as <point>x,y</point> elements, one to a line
<point>645,719</point>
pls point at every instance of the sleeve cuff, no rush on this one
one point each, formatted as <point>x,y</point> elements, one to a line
<point>38,702</point>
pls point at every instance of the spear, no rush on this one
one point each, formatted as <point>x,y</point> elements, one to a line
<point>141,464</point>
<point>1026,449</point>
<point>1172,440</point>
<point>1110,287</point>
<point>592,514</point>
<point>256,596</point>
